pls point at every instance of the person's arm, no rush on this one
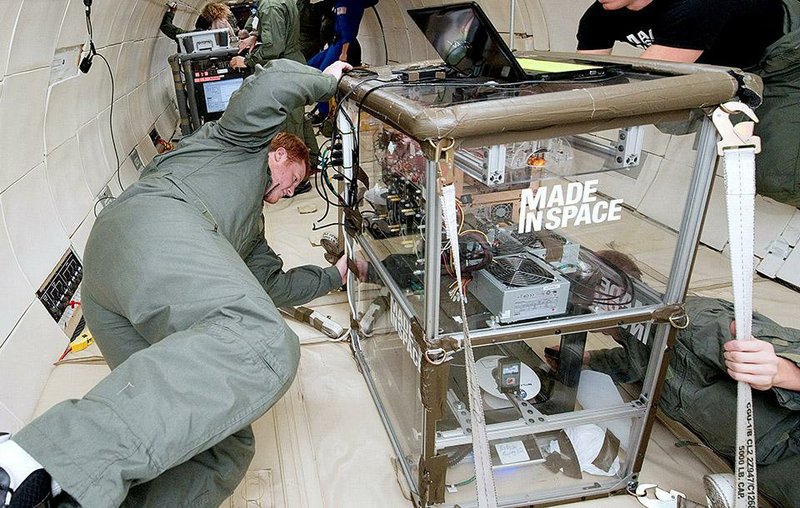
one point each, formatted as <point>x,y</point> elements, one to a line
<point>295,286</point>
<point>658,52</point>
<point>272,31</point>
<point>595,51</point>
<point>169,29</point>
<point>257,111</point>
<point>756,363</point>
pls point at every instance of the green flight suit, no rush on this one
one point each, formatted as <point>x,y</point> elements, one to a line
<point>279,30</point>
<point>699,393</point>
<point>168,28</point>
<point>180,291</point>
<point>778,164</point>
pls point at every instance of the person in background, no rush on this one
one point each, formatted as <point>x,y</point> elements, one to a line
<point>279,31</point>
<point>699,389</point>
<point>345,46</point>
<point>316,25</point>
<point>181,291</point>
<point>759,36</point>
<point>214,16</point>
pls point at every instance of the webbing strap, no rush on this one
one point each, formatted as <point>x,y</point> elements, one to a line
<point>487,496</point>
<point>739,162</point>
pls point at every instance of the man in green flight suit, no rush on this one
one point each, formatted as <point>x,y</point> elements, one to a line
<point>699,389</point>
<point>181,293</point>
<point>279,32</point>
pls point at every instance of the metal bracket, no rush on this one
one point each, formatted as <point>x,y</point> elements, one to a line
<point>739,135</point>
<point>673,314</point>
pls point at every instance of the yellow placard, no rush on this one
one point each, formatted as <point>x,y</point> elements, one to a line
<point>533,65</point>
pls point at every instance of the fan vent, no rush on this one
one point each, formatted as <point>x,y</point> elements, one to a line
<point>519,271</point>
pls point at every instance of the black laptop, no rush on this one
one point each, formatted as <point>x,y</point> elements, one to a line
<point>470,46</point>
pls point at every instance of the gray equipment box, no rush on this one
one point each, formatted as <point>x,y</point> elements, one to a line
<point>207,40</point>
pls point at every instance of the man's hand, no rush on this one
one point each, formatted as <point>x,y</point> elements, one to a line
<point>242,35</point>
<point>248,43</point>
<point>754,362</point>
<point>172,6</point>
<point>337,68</point>
<point>361,264</point>
<point>238,62</point>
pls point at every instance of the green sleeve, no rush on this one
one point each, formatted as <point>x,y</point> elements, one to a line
<point>257,111</point>
<point>626,364</point>
<point>272,30</point>
<point>167,28</point>
<point>291,287</point>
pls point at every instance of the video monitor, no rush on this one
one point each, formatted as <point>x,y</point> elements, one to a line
<point>218,93</point>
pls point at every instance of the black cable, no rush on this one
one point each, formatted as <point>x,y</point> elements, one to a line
<point>383,32</point>
<point>110,120</point>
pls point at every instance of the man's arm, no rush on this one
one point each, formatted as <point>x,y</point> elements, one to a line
<point>657,52</point>
<point>258,109</point>
<point>272,32</point>
<point>169,29</point>
<point>295,286</point>
<point>756,363</point>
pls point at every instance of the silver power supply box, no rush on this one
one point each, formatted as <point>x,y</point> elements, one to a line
<point>520,286</point>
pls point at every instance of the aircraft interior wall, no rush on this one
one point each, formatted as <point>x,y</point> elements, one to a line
<point>58,156</point>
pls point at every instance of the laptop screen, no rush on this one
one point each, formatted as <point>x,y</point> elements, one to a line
<point>467,41</point>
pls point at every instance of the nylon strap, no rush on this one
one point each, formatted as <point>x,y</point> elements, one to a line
<point>739,162</point>
<point>487,496</point>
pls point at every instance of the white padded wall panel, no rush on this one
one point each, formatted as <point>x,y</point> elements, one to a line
<point>30,47</point>
<point>715,227</point>
<point>665,199</point>
<point>103,13</point>
<point>8,420</point>
<point>36,337</point>
<point>65,178</point>
<point>94,88</point>
<point>562,22</point>
<point>131,77</point>
<point>123,133</point>
<point>60,123</point>
<point>106,140</point>
<point>790,270</point>
<point>128,173</point>
<point>139,111</point>
<point>9,10</point>
<point>81,235</point>
<point>17,293</point>
<point>122,18</point>
<point>160,92</point>
<point>96,170</point>
<point>149,18</point>
<point>146,150</point>
<point>162,49</point>
<point>36,235</point>
<point>73,26</point>
<point>22,123</point>
<point>771,219</point>
<point>532,22</point>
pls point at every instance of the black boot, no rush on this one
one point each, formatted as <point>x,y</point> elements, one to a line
<point>33,492</point>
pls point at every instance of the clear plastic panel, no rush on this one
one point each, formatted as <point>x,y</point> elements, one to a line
<point>392,365</point>
<point>569,462</point>
<point>558,375</point>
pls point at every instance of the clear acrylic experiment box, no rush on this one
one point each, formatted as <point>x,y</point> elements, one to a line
<point>569,321</point>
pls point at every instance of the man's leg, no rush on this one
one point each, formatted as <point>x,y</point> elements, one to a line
<point>207,479</point>
<point>114,334</point>
<point>778,482</point>
<point>220,357</point>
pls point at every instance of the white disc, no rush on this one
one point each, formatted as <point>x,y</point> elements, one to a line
<point>529,382</point>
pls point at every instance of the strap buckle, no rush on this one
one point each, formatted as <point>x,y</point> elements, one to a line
<point>739,135</point>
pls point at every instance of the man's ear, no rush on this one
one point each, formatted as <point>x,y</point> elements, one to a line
<point>280,154</point>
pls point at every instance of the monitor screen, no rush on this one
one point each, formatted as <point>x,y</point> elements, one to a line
<point>218,93</point>
<point>466,40</point>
